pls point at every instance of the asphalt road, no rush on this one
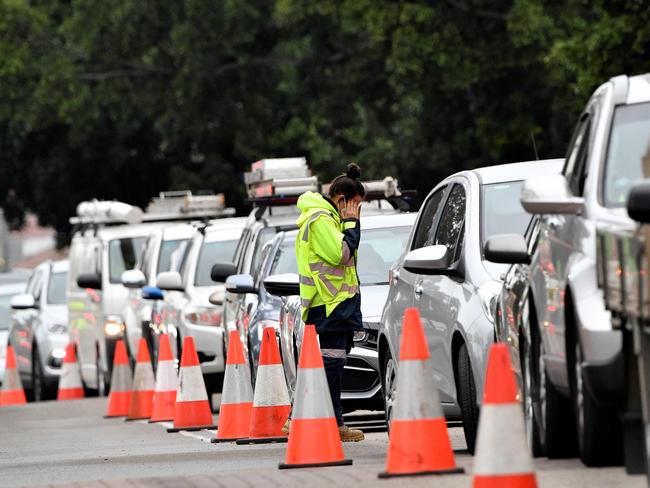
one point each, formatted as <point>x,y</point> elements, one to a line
<point>69,442</point>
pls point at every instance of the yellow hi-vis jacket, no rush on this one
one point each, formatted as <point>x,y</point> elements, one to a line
<point>326,249</point>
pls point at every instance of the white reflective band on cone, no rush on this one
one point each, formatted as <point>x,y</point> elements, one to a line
<point>143,379</point>
<point>11,381</point>
<point>312,398</point>
<point>166,376</point>
<point>270,387</point>
<point>121,378</point>
<point>417,393</point>
<point>191,387</point>
<point>237,384</point>
<point>502,425</point>
<point>70,376</point>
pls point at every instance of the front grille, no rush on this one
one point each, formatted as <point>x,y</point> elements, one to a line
<point>358,376</point>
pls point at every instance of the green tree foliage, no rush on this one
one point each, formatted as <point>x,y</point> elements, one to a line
<point>122,99</point>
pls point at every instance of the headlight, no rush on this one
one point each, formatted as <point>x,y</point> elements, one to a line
<point>113,326</point>
<point>202,316</point>
<point>488,294</point>
<point>360,336</point>
<point>57,328</point>
<point>58,353</point>
<point>263,324</point>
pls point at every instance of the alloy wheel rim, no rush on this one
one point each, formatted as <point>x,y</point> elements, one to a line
<point>542,387</point>
<point>391,387</point>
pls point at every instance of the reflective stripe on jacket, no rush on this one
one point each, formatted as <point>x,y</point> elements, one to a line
<point>326,249</point>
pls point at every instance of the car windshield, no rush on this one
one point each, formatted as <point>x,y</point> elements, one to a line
<point>123,255</point>
<point>213,252</point>
<point>172,253</point>
<point>628,154</point>
<point>56,289</point>
<point>5,311</point>
<point>379,248</point>
<point>501,211</point>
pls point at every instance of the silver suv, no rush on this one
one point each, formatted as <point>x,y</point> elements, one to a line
<point>443,272</point>
<point>579,351</point>
<point>39,329</point>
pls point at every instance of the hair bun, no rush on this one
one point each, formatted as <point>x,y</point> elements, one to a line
<point>353,171</point>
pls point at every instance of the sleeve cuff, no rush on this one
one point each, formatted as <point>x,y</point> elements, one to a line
<point>350,223</point>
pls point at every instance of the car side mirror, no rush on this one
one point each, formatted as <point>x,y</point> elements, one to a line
<point>506,248</point>
<point>221,271</point>
<point>638,202</point>
<point>282,285</point>
<point>90,280</point>
<point>169,280</point>
<point>152,293</point>
<point>429,260</point>
<point>133,278</point>
<point>550,195</point>
<point>240,283</point>
<point>23,301</point>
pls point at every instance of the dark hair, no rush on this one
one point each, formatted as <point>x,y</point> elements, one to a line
<point>348,184</point>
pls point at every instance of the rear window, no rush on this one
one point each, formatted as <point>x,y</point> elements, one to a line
<point>211,253</point>
<point>628,154</point>
<point>56,289</point>
<point>501,210</point>
<point>172,254</point>
<point>123,254</point>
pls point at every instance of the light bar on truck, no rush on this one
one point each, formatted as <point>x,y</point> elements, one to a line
<point>106,212</point>
<point>279,181</point>
<point>179,205</point>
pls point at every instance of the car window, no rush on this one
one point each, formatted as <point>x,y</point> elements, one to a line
<point>263,236</point>
<point>378,250</point>
<point>501,210</point>
<point>285,258</point>
<point>628,152</point>
<point>5,311</point>
<point>123,255</point>
<point>575,165</point>
<point>452,221</point>
<point>172,253</point>
<point>240,252</point>
<point>37,284</point>
<point>56,289</point>
<point>428,216</point>
<point>211,253</point>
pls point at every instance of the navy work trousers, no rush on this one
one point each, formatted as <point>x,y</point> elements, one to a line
<point>335,346</point>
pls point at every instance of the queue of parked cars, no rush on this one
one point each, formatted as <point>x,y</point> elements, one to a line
<point>511,253</point>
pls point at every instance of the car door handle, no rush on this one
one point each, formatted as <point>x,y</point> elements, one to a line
<point>418,290</point>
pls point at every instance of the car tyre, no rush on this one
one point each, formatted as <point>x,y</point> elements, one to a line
<point>531,402</point>
<point>102,389</point>
<point>389,386</point>
<point>40,390</point>
<point>466,391</point>
<point>599,429</point>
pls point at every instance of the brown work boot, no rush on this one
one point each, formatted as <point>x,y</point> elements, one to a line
<point>286,427</point>
<point>350,435</point>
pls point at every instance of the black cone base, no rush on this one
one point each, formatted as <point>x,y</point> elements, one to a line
<point>191,429</point>
<point>421,473</point>
<point>344,462</point>
<point>262,440</point>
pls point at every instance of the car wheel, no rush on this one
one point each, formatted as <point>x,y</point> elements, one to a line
<point>101,378</point>
<point>599,429</point>
<point>39,387</point>
<point>466,391</point>
<point>389,387</point>
<point>531,420</point>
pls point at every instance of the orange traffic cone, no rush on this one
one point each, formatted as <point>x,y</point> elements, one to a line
<point>164,398</point>
<point>419,442</point>
<point>192,411</point>
<point>237,395</point>
<point>70,386</point>
<point>271,404</point>
<point>314,438</point>
<point>143,385</point>
<point>119,398</point>
<point>502,455</point>
<point>12,392</point>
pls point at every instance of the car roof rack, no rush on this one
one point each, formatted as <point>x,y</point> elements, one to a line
<point>183,205</point>
<point>106,212</point>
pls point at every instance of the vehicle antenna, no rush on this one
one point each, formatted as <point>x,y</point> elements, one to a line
<point>532,136</point>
